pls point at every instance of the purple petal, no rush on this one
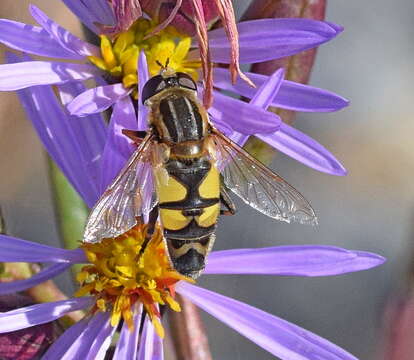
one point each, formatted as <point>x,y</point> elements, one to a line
<point>82,343</point>
<point>92,12</point>
<point>42,276</point>
<point>150,346</point>
<point>31,39</point>
<point>40,313</point>
<point>127,346</point>
<point>291,95</point>
<point>55,130</point>
<point>239,138</point>
<point>268,90</point>
<point>62,36</point>
<point>305,260</point>
<point>267,39</point>
<point>90,133</point>
<point>243,117</point>
<point>17,250</point>
<point>118,147</point>
<point>25,74</point>
<point>279,337</point>
<point>102,341</point>
<point>143,77</point>
<point>300,97</point>
<point>96,100</point>
<point>302,148</point>
<point>62,344</point>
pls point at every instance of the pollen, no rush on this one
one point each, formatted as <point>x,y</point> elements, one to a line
<point>131,268</point>
<point>119,56</point>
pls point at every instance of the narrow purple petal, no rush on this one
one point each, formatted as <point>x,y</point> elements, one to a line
<point>92,12</point>
<point>150,346</point>
<point>97,99</point>
<point>40,313</point>
<point>82,343</point>
<point>267,39</point>
<point>268,90</point>
<point>62,36</point>
<point>243,117</point>
<point>300,97</point>
<point>305,260</point>
<point>62,344</point>
<point>31,39</point>
<point>127,346</point>
<point>118,147</point>
<point>238,138</point>
<point>302,148</point>
<point>291,95</point>
<point>17,250</point>
<point>42,276</point>
<point>279,337</point>
<point>143,76</point>
<point>62,144</point>
<point>262,99</point>
<point>54,128</point>
<point>90,133</point>
<point>102,342</point>
<point>25,74</point>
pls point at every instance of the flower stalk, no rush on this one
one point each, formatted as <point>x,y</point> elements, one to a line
<point>71,211</point>
<point>188,332</point>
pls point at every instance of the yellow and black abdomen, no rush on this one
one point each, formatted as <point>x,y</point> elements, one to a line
<point>189,205</point>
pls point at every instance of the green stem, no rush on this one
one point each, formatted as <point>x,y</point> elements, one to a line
<point>71,210</point>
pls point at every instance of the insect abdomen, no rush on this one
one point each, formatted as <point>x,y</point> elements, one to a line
<point>189,208</point>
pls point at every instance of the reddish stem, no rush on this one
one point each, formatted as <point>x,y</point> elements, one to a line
<point>188,333</point>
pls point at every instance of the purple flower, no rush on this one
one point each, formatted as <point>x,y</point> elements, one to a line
<point>78,146</point>
<point>279,38</point>
<point>92,335</point>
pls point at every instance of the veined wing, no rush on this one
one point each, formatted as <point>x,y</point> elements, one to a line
<point>258,186</point>
<point>129,196</point>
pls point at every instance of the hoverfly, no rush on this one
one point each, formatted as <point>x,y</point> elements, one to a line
<point>182,168</point>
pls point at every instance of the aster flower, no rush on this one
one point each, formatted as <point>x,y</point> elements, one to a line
<point>116,284</point>
<point>120,287</point>
<point>282,37</point>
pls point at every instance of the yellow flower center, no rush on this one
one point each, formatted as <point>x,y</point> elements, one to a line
<point>124,271</point>
<point>120,56</point>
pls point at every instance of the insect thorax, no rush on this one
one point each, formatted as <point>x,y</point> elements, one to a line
<point>178,117</point>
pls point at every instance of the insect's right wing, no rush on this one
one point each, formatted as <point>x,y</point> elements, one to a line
<point>129,196</point>
<point>258,186</point>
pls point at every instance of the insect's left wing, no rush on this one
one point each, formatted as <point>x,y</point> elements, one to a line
<point>129,196</point>
<point>258,186</point>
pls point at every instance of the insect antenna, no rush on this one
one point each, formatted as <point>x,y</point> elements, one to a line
<point>163,67</point>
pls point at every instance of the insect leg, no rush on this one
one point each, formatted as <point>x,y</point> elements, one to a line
<point>134,135</point>
<point>152,221</point>
<point>225,199</point>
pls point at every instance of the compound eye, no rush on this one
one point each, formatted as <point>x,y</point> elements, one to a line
<point>152,87</point>
<point>186,81</point>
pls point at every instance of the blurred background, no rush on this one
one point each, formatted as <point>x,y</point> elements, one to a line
<point>371,209</point>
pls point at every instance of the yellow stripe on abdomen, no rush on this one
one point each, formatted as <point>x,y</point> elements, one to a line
<point>174,219</point>
<point>210,187</point>
<point>209,216</point>
<point>172,190</point>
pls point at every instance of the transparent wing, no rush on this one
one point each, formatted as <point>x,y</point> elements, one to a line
<point>258,186</point>
<point>129,196</point>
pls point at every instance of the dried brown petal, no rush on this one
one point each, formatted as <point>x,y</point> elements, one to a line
<point>184,19</point>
